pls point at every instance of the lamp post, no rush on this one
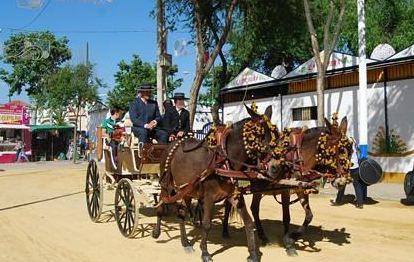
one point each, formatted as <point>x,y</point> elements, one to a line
<point>362,101</point>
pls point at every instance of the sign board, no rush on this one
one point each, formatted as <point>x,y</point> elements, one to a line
<point>336,61</point>
<point>14,114</point>
<point>248,77</point>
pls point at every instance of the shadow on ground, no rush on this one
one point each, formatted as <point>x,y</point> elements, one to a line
<point>350,199</point>
<point>274,230</point>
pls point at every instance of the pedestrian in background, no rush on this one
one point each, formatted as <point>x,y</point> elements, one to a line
<point>360,186</point>
<point>18,148</point>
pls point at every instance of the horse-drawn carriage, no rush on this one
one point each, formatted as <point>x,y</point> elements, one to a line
<point>133,174</point>
<point>215,169</point>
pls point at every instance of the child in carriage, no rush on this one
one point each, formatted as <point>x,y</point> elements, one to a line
<point>111,126</point>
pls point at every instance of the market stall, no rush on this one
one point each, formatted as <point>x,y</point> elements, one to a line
<point>14,129</point>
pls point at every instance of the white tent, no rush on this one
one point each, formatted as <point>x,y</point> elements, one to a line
<point>409,51</point>
<point>336,61</point>
<point>248,77</point>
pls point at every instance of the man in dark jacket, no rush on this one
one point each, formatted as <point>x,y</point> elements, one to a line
<point>145,116</point>
<point>177,118</point>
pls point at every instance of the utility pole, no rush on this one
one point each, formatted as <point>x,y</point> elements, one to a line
<point>362,99</point>
<point>161,53</point>
<point>87,53</point>
<point>78,119</point>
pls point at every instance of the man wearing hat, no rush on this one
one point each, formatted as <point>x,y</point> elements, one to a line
<point>177,118</point>
<point>145,116</point>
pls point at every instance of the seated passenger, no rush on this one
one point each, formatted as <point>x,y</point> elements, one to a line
<point>145,116</point>
<point>177,118</point>
<point>110,124</point>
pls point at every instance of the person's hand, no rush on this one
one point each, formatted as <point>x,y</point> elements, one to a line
<point>180,134</point>
<point>171,138</point>
<point>154,123</point>
<point>148,126</point>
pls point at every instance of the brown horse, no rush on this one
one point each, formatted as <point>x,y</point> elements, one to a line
<point>190,174</point>
<point>309,151</point>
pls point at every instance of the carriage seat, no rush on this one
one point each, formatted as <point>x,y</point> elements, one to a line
<point>110,165</point>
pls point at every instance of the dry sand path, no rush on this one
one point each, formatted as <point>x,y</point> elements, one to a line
<point>43,217</point>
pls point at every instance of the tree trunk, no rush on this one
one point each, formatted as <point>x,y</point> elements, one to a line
<point>203,67</point>
<point>215,113</point>
<point>195,88</point>
<point>320,88</point>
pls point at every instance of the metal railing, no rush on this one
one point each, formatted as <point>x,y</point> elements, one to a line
<point>201,134</point>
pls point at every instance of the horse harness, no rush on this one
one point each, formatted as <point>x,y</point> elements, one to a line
<point>219,163</point>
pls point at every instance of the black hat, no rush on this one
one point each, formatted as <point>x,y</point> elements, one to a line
<point>179,96</point>
<point>145,87</point>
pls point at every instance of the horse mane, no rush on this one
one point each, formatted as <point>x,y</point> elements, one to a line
<point>312,134</point>
<point>316,131</point>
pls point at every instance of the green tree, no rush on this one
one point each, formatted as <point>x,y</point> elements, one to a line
<point>32,56</point>
<point>131,75</point>
<point>210,22</point>
<point>214,82</point>
<point>70,89</point>
<point>387,21</point>
<point>269,33</point>
<point>57,94</point>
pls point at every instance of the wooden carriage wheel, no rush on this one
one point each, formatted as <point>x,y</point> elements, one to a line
<point>126,207</point>
<point>94,191</point>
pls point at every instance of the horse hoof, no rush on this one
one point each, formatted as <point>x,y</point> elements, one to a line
<point>291,252</point>
<point>156,234</point>
<point>206,258</point>
<point>254,258</point>
<point>189,249</point>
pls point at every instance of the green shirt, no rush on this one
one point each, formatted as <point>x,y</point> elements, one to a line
<point>109,124</point>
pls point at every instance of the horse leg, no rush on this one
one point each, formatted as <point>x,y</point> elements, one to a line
<point>157,229</point>
<point>198,214</point>
<point>190,210</point>
<point>208,206</point>
<point>182,213</point>
<point>255,208</point>
<point>227,210</point>
<point>287,239</point>
<point>304,201</point>
<point>254,253</point>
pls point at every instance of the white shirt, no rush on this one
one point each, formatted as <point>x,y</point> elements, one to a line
<point>354,157</point>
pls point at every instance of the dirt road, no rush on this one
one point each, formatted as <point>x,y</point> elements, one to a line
<point>43,217</point>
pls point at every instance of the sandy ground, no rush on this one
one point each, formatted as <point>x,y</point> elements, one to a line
<point>43,217</point>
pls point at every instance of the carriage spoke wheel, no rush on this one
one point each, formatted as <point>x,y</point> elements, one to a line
<point>126,207</point>
<point>94,191</point>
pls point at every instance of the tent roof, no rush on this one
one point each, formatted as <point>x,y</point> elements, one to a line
<point>248,77</point>
<point>337,61</point>
<point>50,127</point>
<point>408,52</point>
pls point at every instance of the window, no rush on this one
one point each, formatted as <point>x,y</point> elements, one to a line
<point>304,113</point>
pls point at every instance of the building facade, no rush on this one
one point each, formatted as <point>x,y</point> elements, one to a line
<point>293,99</point>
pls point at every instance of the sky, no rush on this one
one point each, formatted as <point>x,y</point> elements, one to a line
<point>83,21</point>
